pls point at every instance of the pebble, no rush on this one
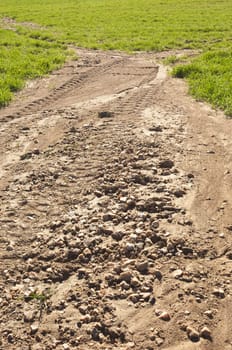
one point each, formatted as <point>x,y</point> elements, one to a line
<point>209,313</point>
<point>118,235</point>
<point>29,316</point>
<point>165,316</point>
<point>142,267</point>
<point>130,344</point>
<point>155,225</point>
<point>124,285</point>
<point>219,293</point>
<point>166,164</point>
<point>158,275</point>
<point>135,282</point>
<point>205,333</point>
<point>126,276</point>
<point>179,193</point>
<point>129,247</point>
<point>193,334</point>
<point>34,327</point>
<point>10,338</point>
<point>177,273</point>
<point>134,298</point>
<point>229,255</point>
<point>105,114</point>
<point>157,128</point>
<point>159,341</point>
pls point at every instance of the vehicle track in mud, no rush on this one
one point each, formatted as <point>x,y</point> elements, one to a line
<point>112,235</point>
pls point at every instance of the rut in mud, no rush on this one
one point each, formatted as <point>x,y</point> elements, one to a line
<point>115,212</point>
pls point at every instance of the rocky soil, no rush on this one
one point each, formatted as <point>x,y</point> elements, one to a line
<point>115,212</point>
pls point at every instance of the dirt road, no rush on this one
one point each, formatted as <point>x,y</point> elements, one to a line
<point>115,209</point>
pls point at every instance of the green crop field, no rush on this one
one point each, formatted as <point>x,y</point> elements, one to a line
<point>27,51</point>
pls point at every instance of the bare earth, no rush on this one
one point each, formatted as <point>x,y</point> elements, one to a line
<point>116,198</point>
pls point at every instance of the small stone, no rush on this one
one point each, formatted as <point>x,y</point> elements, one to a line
<point>187,250</point>
<point>155,225</point>
<point>205,333</point>
<point>179,193</point>
<point>209,313</point>
<point>166,164</point>
<point>193,335</point>
<point>95,334</point>
<point>229,255</point>
<point>130,344</point>
<point>10,338</point>
<point>108,217</point>
<point>87,252</point>
<point>34,327</point>
<point>158,275</point>
<point>86,318</point>
<point>125,276</point>
<point>142,267</point>
<point>157,128</point>
<point>118,235</point>
<point>159,341</point>
<point>105,114</point>
<point>83,309</point>
<point>146,296</point>
<point>134,298</point>
<point>129,247</point>
<point>219,293</point>
<point>73,253</point>
<point>29,316</point>
<point>165,316</point>
<point>177,273</point>
<point>124,285</point>
<point>135,282</point>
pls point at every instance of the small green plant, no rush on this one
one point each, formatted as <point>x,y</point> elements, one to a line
<point>41,298</point>
<point>171,60</point>
<point>36,296</point>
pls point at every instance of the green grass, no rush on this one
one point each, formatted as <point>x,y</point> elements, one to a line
<point>129,25</point>
<point>24,56</point>
<point>210,78</point>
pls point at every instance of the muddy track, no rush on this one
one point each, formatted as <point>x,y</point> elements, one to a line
<point>77,81</point>
<point>73,83</point>
<point>115,221</point>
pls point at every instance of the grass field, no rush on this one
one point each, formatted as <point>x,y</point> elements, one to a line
<point>129,25</point>
<point>23,57</point>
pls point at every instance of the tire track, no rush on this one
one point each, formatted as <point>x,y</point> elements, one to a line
<point>75,82</point>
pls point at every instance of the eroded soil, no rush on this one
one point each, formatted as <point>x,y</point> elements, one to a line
<point>115,218</point>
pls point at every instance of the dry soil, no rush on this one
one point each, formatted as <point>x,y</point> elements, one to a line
<point>116,198</point>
